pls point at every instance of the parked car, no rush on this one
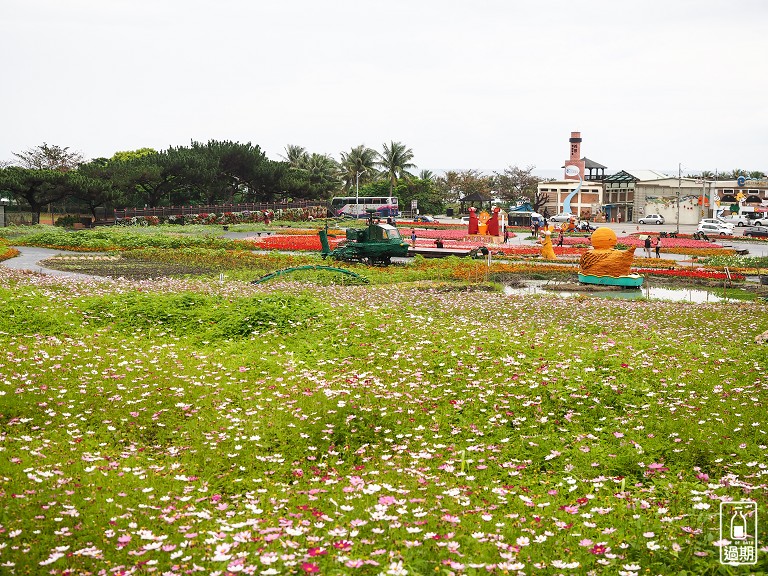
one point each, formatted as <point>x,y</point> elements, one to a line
<point>736,220</point>
<point>651,219</point>
<point>564,217</point>
<point>424,218</point>
<point>465,219</point>
<point>716,221</point>
<point>714,230</point>
<point>757,231</point>
<point>758,220</point>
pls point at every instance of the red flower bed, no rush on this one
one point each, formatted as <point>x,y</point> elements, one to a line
<point>707,274</point>
<point>297,243</point>
<point>445,234</point>
<point>668,242</point>
<point>438,225</point>
<point>536,250</point>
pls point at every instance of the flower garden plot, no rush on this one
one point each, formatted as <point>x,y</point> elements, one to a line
<point>140,436</point>
<point>449,235</point>
<point>687,273</point>
<point>299,242</point>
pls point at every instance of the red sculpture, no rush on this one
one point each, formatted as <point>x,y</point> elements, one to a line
<point>493,223</point>
<point>474,225</point>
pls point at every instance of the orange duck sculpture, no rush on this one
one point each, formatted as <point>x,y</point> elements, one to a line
<point>604,264</point>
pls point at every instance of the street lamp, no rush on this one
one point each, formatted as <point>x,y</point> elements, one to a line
<point>3,203</point>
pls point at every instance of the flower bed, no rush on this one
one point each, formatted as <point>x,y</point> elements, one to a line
<point>245,217</point>
<point>470,273</point>
<point>654,262</point>
<point>684,273</point>
<point>700,251</point>
<point>667,243</point>
<point>435,225</point>
<point>7,252</point>
<point>536,250</point>
<point>293,242</point>
<point>445,235</point>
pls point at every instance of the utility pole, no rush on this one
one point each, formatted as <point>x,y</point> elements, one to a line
<point>679,182</point>
<point>357,193</point>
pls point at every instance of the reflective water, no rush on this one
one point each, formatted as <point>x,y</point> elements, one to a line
<point>645,292</point>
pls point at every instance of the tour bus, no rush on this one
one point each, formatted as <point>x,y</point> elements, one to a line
<point>356,206</point>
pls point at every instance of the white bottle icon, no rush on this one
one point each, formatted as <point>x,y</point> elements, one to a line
<point>738,525</point>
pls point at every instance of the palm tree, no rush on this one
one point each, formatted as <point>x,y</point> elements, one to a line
<point>357,165</point>
<point>321,172</point>
<point>426,175</point>
<point>395,161</point>
<point>295,155</point>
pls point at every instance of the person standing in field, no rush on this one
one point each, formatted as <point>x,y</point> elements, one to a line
<point>647,245</point>
<point>658,247</point>
<point>413,236</point>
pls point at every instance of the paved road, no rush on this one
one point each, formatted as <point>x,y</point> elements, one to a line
<point>28,259</point>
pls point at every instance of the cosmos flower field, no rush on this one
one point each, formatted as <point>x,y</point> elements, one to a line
<point>184,427</point>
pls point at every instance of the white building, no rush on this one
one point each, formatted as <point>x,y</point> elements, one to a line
<point>586,204</point>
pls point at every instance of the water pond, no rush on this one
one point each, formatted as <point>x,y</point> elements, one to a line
<point>694,295</point>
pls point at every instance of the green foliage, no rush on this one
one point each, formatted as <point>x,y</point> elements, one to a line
<point>49,157</point>
<point>395,163</point>
<point>202,317</point>
<point>36,187</point>
<point>158,420</point>
<point>121,238</point>
<point>736,261</point>
<point>67,221</point>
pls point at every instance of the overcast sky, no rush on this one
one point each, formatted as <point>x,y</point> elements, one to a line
<point>481,84</point>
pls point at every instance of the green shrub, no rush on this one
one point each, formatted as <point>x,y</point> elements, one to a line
<point>67,221</point>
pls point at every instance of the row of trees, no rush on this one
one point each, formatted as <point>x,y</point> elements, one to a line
<point>230,172</point>
<point>732,175</point>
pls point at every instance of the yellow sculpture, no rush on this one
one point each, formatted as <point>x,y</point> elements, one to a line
<point>483,218</point>
<point>604,259</point>
<point>547,251</point>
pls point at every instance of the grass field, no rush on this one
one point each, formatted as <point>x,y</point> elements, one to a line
<point>183,426</point>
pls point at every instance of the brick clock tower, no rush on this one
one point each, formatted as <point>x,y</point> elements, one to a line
<point>575,159</point>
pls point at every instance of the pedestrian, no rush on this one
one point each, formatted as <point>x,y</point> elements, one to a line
<point>439,243</point>
<point>413,236</point>
<point>647,246</point>
<point>658,247</point>
<point>535,227</point>
<point>560,238</point>
<point>506,235</point>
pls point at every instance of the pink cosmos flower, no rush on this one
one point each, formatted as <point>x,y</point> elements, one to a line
<point>123,540</point>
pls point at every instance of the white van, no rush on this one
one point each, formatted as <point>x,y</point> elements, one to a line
<point>735,219</point>
<point>717,222</point>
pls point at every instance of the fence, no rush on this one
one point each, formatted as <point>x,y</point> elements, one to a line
<point>165,211</point>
